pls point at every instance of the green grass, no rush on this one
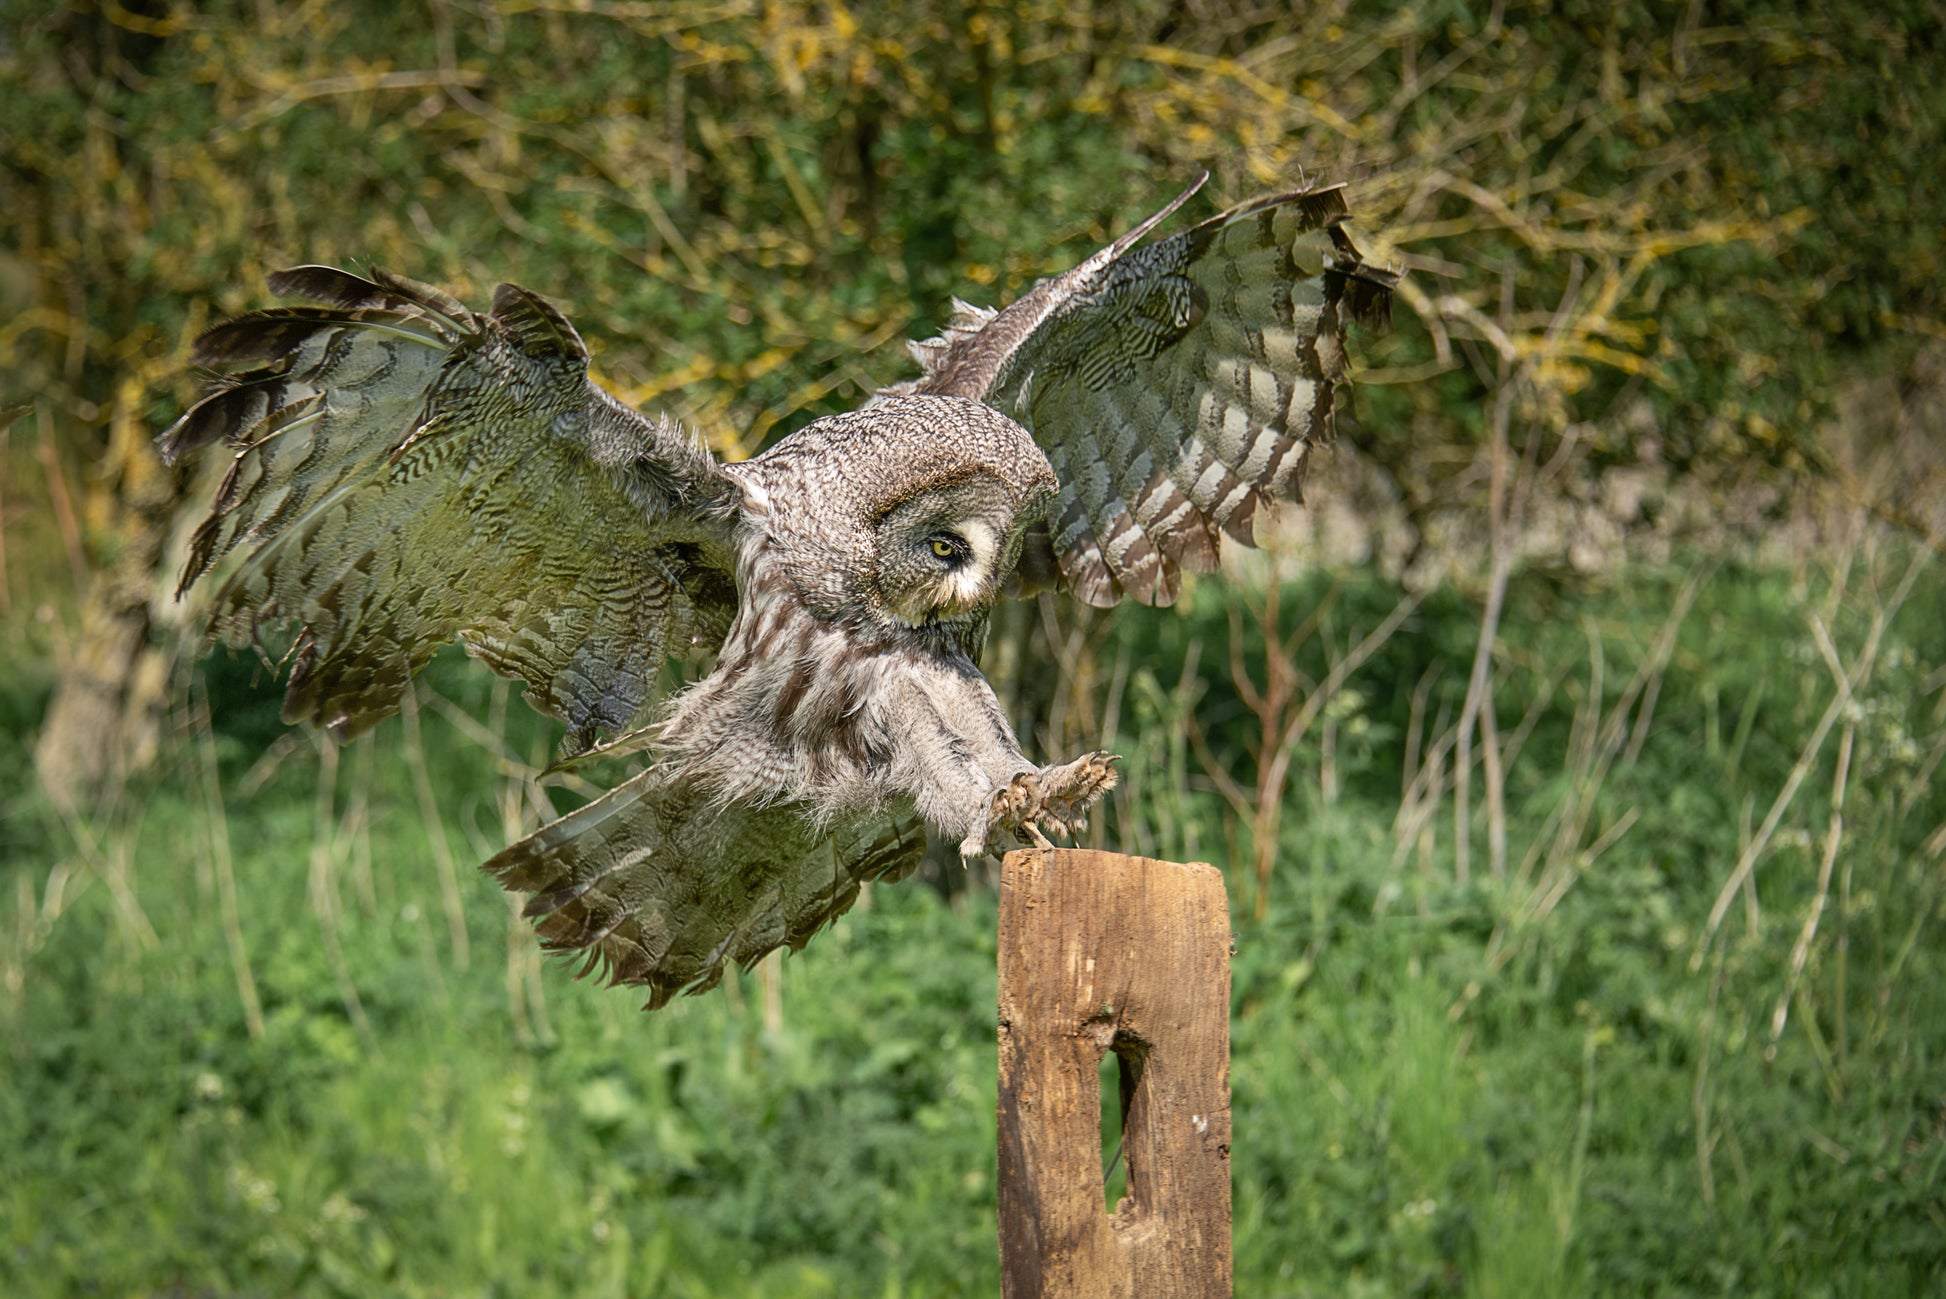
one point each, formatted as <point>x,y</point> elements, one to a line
<point>1553,1081</point>
<point>266,1035</point>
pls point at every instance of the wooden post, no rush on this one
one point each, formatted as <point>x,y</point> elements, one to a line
<point>1099,953</point>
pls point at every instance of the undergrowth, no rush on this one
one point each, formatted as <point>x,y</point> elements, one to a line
<point>251,1051</point>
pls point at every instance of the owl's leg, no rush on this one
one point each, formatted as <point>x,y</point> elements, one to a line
<point>952,752</point>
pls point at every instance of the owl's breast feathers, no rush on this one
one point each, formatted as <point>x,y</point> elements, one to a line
<point>796,709</point>
<point>800,768</point>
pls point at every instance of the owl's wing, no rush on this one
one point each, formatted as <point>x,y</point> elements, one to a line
<point>1174,385</point>
<point>661,888</point>
<point>408,472</point>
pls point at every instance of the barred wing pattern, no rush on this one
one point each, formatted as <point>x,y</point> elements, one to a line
<point>1175,386</point>
<point>408,472</point>
<point>661,888</point>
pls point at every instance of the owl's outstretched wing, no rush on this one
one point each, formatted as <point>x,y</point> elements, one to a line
<point>662,890</point>
<point>408,472</point>
<point>1175,385</point>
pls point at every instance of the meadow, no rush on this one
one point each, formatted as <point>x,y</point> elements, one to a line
<point>1677,1031</point>
<point>1580,806</point>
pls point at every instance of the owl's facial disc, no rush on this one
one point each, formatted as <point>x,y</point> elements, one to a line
<point>940,563</point>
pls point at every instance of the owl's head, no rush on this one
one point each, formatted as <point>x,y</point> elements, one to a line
<point>944,551</point>
<point>908,512</point>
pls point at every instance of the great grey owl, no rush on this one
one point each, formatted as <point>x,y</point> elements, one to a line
<point>407,471</point>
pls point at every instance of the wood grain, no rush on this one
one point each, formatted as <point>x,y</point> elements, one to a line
<point>1101,952</point>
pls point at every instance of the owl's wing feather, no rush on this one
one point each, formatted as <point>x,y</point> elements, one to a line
<point>1175,386</point>
<point>660,890</point>
<point>407,472</point>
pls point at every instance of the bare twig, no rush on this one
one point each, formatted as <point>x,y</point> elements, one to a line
<point>6,573</point>
<point>63,503</point>
<point>291,96</point>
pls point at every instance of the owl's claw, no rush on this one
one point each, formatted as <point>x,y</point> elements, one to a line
<point>1015,804</point>
<point>1068,792</point>
<point>1012,807</point>
<point>1055,797</point>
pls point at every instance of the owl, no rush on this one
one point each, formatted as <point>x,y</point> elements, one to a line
<point>406,471</point>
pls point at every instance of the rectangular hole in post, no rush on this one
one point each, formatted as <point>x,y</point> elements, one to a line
<point>1121,1077</point>
<point>1114,1178</point>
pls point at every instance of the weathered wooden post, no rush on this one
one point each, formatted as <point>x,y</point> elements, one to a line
<point>1098,953</point>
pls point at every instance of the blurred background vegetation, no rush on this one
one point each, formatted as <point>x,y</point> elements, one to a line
<point>1573,763</point>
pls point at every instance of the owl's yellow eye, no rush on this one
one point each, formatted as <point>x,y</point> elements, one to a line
<point>944,548</point>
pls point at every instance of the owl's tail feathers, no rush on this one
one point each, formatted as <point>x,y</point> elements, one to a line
<point>660,889</point>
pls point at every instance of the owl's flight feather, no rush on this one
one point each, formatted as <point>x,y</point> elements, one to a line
<point>409,472</point>
<point>600,885</point>
<point>1175,385</point>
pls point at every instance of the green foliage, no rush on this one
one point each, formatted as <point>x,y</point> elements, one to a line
<point>1563,1078</point>
<point>1552,1080</point>
<point>1722,211</point>
<point>1652,1041</point>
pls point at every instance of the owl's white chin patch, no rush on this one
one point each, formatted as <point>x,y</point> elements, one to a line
<point>960,592</point>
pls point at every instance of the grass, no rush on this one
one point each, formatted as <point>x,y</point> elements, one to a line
<point>1556,1076</point>
<point>1589,940</point>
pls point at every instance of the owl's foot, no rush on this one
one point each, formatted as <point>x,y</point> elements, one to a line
<point>1013,808</point>
<point>1057,798</point>
<point>1067,792</point>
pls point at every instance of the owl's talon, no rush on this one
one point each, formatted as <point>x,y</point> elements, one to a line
<point>1054,799</point>
<point>1013,807</point>
<point>1067,792</point>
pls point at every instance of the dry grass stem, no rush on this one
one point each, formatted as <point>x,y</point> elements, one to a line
<point>321,883</point>
<point>218,828</point>
<point>435,826</point>
<point>526,990</point>
<point>1476,687</point>
<point>271,761</point>
<point>1834,835</point>
<point>1848,681</point>
<point>112,864</point>
<point>482,735</point>
<point>1699,1095</point>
